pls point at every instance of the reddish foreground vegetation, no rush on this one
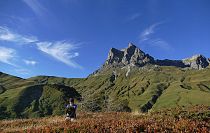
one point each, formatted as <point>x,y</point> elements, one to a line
<point>196,119</point>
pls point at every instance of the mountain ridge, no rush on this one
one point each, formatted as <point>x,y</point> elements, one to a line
<point>133,56</point>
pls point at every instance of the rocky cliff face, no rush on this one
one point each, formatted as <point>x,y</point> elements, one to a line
<point>196,62</point>
<point>129,56</point>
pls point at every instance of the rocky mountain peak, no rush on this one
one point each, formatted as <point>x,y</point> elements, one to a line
<point>128,56</point>
<point>133,56</point>
<point>197,61</point>
<point>130,45</point>
<point>115,56</point>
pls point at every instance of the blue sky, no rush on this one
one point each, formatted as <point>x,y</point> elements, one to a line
<point>71,38</point>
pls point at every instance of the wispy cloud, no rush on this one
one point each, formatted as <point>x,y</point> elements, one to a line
<point>30,62</point>
<point>7,35</point>
<point>146,34</point>
<point>36,7</point>
<point>7,55</point>
<point>61,50</point>
<point>146,38</point>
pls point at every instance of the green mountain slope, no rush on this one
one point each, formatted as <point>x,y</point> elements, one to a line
<point>149,88</point>
<point>35,101</point>
<point>143,89</point>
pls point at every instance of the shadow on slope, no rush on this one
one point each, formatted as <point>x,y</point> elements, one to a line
<point>40,100</point>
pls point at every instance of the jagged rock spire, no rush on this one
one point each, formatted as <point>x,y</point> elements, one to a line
<point>128,56</point>
<point>131,45</point>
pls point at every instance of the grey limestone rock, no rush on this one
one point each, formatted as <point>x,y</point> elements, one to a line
<point>129,56</point>
<point>197,62</point>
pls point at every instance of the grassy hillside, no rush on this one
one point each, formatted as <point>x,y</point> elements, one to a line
<point>7,81</point>
<point>35,101</point>
<point>148,88</point>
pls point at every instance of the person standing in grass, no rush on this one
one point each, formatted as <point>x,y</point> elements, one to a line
<point>71,110</point>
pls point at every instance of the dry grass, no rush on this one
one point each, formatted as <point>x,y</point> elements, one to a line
<point>176,120</point>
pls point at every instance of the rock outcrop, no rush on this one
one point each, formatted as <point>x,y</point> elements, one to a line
<point>196,62</point>
<point>130,56</point>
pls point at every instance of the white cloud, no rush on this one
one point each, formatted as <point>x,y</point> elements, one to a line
<point>30,62</point>
<point>145,35</point>
<point>61,50</point>
<point>7,55</point>
<point>36,7</point>
<point>7,35</point>
<point>146,39</point>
